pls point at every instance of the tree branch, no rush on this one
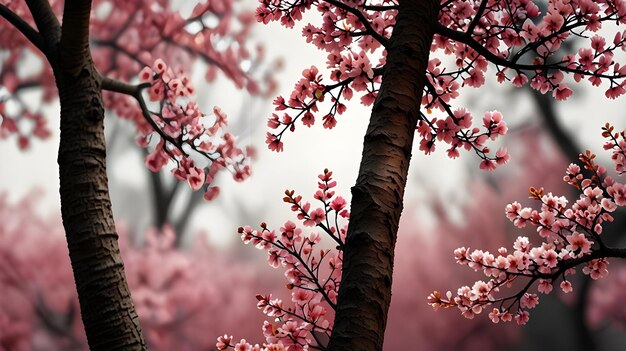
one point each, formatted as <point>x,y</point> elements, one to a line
<point>461,37</point>
<point>29,32</point>
<point>381,7</point>
<point>571,151</point>
<point>607,252</point>
<point>135,91</point>
<point>46,22</point>
<point>117,86</point>
<point>466,39</point>
<point>371,31</point>
<point>477,17</point>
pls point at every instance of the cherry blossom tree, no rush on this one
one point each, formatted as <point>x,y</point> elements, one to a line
<point>382,51</point>
<point>121,47</point>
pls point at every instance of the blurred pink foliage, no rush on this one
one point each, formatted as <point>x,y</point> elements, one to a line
<point>33,255</point>
<point>608,296</point>
<point>127,36</point>
<point>184,298</point>
<point>411,320</point>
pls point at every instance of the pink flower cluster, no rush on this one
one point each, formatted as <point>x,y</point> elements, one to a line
<point>127,36</point>
<point>617,145</point>
<point>456,130</point>
<point>349,37</point>
<point>571,237</point>
<point>181,128</point>
<point>608,297</point>
<point>313,274</point>
<point>514,36</point>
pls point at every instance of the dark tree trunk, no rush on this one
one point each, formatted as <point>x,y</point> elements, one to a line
<point>161,198</point>
<point>108,314</point>
<point>365,290</point>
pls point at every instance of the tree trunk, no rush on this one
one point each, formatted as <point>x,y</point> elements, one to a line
<point>108,314</point>
<point>365,291</point>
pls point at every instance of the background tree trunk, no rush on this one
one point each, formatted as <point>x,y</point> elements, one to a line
<point>108,314</point>
<point>365,291</point>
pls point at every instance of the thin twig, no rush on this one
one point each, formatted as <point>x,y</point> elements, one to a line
<point>135,91</point>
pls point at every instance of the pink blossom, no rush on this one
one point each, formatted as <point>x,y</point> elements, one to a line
<point>338,204</point>
<point>521,318</point>
<point>273,142</point>
<point>243,345</point>
<point>315,217</point>
<point>562,92</point>
<point>487,165</point>
<point>545,286</point>
<point>615,91</point>
<point>223,342</point>
<point>578,241</point>
<point>566,286</point>
<point>211,193</point>
<point>196,178</point>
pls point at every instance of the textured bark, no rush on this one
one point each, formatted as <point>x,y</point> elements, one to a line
<point>46,22</point>
<point>108,314</point>
<point>365,290</point>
